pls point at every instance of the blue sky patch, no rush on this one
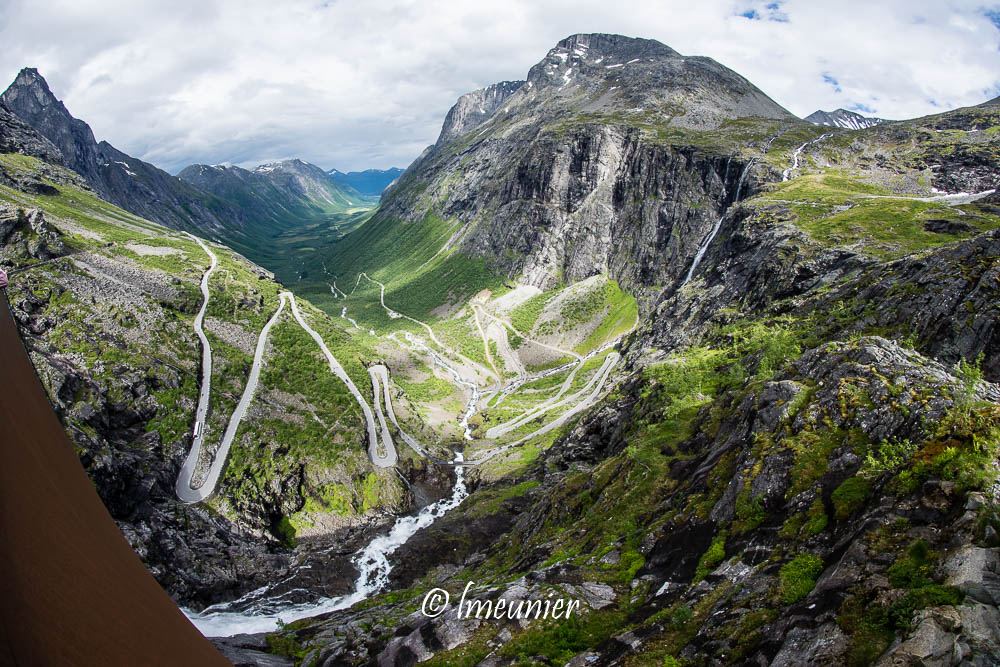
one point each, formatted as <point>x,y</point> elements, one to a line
<point>994,16</point>
<point>861,108</point>
<point>769,12</point>
<point>832,81</point>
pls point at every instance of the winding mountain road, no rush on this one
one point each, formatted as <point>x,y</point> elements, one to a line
<point>382,454</point>
<point>185,491</point>
<point>551,404</point>
<point>381,450</point>
<point>394,314</point>
<point>601,378</point>
<point>380,372</point>
<point>568,353</point>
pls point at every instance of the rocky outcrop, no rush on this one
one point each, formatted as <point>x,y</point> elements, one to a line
<point>756,259</point>
<point>945,299</point>
<point>18,137</point>
<point>26,235</point>
<point>473,109</point>
<point>250,651</point>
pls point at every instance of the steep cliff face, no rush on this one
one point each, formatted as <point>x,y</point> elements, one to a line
<point>18,137</point>
<point>473,109</point>
<point>596,164</point>
<point>594,200</point>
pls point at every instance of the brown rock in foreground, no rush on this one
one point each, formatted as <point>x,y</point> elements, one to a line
<point>72,591</point>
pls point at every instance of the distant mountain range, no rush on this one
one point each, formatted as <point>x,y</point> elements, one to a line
<point>275,191</point>
<point>136,186</point>
<point>245,209</point>
<point>369,181</point>
<point>843,118</point>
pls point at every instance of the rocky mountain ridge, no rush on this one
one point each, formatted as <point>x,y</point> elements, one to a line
<point>119,178</point>
<point>849,120</point>
<point>246,213</point>
<point>566,155</point>
<point>278,191</point>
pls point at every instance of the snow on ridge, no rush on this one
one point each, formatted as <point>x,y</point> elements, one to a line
<point>125,167</point>
<point>848,120</point>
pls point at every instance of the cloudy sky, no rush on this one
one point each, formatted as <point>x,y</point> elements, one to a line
<point>359,84</point>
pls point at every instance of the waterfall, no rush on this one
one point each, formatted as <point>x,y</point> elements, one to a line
<point>787,173</point>
<point>703,248</point>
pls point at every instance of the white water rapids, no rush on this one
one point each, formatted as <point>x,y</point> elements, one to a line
<point>230,618</point>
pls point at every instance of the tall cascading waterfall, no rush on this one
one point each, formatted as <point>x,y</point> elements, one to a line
<point>258,611</point>
<point>703,248</point>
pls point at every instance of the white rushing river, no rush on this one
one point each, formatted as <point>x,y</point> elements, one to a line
<point>223,620</point>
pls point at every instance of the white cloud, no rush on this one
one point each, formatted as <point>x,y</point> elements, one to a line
<point>354,85</point>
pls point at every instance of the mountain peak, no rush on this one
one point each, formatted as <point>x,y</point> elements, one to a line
<point>28,76</point>
<point>843,118</point>
<point>290,166</point>
<point>597,73</point>
<point>597,55</point>
<point>598,44</point>
<point>30,91</point>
